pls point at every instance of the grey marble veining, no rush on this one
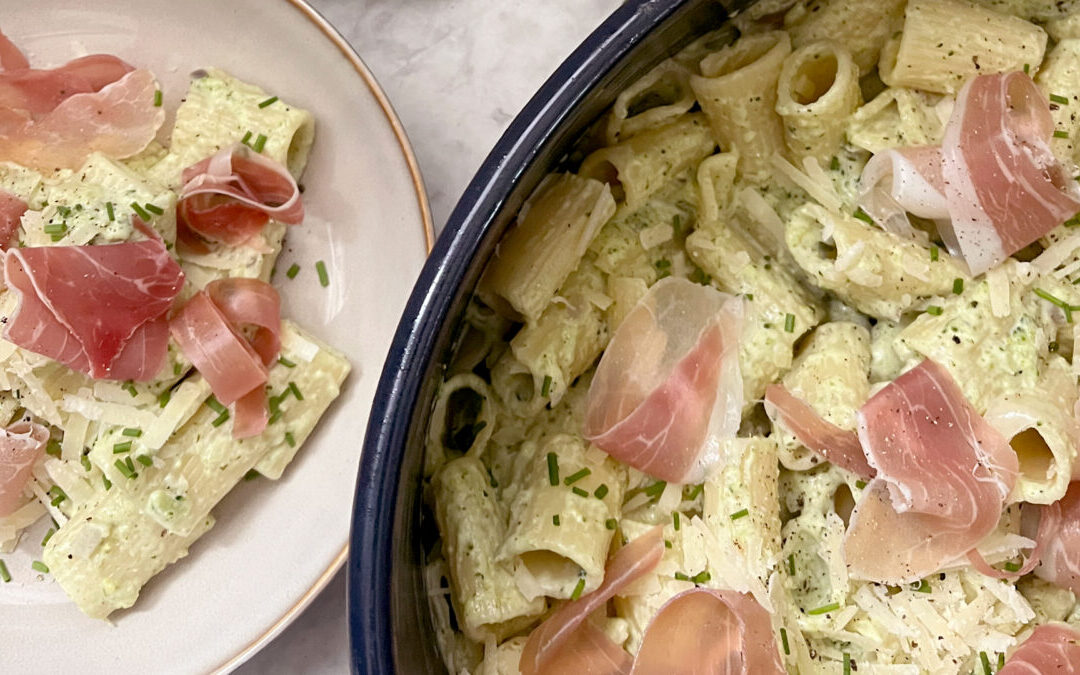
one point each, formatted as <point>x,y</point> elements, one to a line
<point>457,71</point>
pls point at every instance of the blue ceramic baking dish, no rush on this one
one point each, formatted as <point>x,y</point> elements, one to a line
<point>389,626</point>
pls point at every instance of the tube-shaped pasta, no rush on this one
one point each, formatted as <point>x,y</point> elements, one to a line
<point>946,42</point>
<point>552,233</point>
<point>860,25</point>
<point>559,531</point>
<point>737,91</point>
<point>461,421</point>
<point>1059,76</point>
<point>642,164</point>
<point>486,599</point>
<point>831,374</point>
<point>817,91</point>
<point>896,117</point>
<point>655,99</point>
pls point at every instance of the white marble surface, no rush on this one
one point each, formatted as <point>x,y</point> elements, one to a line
<point>457,72</point>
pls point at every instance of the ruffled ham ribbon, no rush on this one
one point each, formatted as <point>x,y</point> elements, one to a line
<point>208,330</point>
<point>938,473</point>
<point>667,389</point>
<point>55,118</point>
<point>21,445</point>
<point>11,212</point>
<point>992,187</point>
<point>98,309</point>
<point>698,631</point>
<point>230,196</point>
<point>1051,648</point>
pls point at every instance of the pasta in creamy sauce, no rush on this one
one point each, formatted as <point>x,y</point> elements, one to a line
<point>736,164</point>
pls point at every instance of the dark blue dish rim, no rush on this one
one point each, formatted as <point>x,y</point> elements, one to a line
<point>370,558</point>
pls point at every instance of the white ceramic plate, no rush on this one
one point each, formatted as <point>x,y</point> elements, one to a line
<point>275,544</point>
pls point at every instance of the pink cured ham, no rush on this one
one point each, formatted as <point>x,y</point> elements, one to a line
<point>11,57</point>
<point>40,91</point>
<point>668,389</point>
<point>230,196</point>
<point>709,631</point>
<point>828,441</point>
<point>100,310</point>
<point>1060,564</point>
<point>555,644</point>
<point>943,474</point>
<point>1052,648</point>
<point>208,331</point>
<point>21,445</point>
<point>993,186</point>
<point>11,211</point>
<point>118,121</point>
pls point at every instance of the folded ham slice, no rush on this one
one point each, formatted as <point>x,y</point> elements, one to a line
<point>208,330</point>
<point>1051,648</point>
<point>21,445</point>
<point>99,310</point>
<point>11,211</point>
<point>668,389</point>
<point>40,91</point>
<point>11,57</point>
<point>943,474</point>
<point>1060,564</point>
<point>230,196</point>
<point>993,186</point>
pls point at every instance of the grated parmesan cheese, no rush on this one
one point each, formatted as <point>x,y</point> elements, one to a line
<point>763,214</point>
<point>102,411</point>
<point>819,188</point>
<point>296,346</point>
<point>71,447</point>
<point>997,281</point>
<point>183,403</point>
<point>654,235</point>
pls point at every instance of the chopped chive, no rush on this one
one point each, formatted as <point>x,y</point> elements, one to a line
<point>220,419</point>
<point>123,469</point>
<point>295,391</point>
<point>675,520</point>
<point>667,544</point>
<point>86,462</point>
<point>260,143</point>
<point>1027,68</point>
<point>48,536</point>
<point>213,404</point>
<point>847,663</point>
<point>985,661</point>
<point>791,564</point>
<point>109,210</point>
<point>1056,98</point>
<point>783,638</point>
<point>611,523</point>
<point>824,609</point>
<point>545,388</point>
<point>55,228</point>
<point>579,492</point>
<point>740,514</point>
<point>601,491</point>
<point>52,447</point>
<point>129,464</point>
<point>922,587</point>
<point>555,520</point>
<point>1001,660</point>
<point>132,431</point>
<point>553,468</point>
<point>140,211</point>
<point>246,138</point>
<point>144,460</point>
<point>957,286</point>
<point>163,398</point>
<point>701,577</point>
<point>864,216</point>
<point>293,270</point>
<point>1058,133</point>
<point>656,488</point>
<point>268,102</point>
<point>934,310</point>
<point>1066,307</point>
<point>40,566</point>
<point>578,589</point>
<point>123,446</point>
<point>286,362</point>
<point>106,482</point>
<point>576,476</point>
<point>154,209</point>
<point>934,254</point>
<point>58,495</point>
<point>251,475</point>
<point>289,439</point>
<point>324,278</point>
<point>1012,567</point>
<point>681,576</point>
<point>789,323</point>
<point>694,492</point>
<point>860,484</point>
<point>1073,221</point>
<point>158,98</point>
<point>4,574</point>
<point>129,387</point>
<point>834,163</point>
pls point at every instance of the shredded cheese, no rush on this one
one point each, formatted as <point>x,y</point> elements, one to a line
<point>654,235</point>
<point>997,281</point>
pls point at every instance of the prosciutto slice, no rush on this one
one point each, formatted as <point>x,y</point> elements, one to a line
<point>21,445</point>
<point>99,310</point>
<point>230,196</point>
<point>11,211</point>
<point>11,57</point>
<point>1060,563</point>
<point>943,474</point>
<point>828,441</point>
<point>118,121</point>
<point>668,389</point>
<point>1051,648</point>
<point>208,330</point>
<point>993,186</point>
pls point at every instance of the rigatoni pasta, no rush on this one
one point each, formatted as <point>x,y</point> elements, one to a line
<point>817,91</point>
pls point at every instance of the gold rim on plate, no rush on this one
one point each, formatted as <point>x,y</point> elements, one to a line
<point>310,14</point>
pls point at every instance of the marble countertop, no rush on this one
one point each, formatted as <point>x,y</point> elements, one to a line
<point>457,72</point>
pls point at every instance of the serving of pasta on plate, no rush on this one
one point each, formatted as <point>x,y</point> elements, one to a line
<point>145,367</point>
<point>778,371</point>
